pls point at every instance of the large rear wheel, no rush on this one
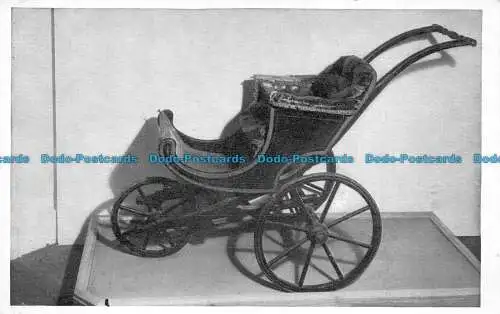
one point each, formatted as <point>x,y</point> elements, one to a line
<point>311,237</point>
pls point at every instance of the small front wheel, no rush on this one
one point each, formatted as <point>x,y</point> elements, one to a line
<point>139,207</point>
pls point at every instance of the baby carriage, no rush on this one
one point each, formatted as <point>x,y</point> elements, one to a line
<point>312,231</point>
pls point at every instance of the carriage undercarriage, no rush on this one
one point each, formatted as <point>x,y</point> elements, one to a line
<point>305,222</point>
<point>295,218</point>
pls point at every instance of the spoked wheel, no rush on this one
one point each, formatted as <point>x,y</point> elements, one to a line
<point>323,244</point>
<point>139,207</point>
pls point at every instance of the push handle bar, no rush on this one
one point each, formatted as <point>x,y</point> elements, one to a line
<point>457,40</point>
<point>434,28</point>
<point>454,35</point>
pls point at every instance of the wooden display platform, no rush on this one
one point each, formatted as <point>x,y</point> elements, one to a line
<point>419,263</point>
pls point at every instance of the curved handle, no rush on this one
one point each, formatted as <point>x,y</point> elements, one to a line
<point>458,39</point>
<point>454,35</point>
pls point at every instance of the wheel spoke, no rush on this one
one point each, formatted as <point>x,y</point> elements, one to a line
<point>141,192</point>
<point>322,272</point>
<point>134,210</point>
<point>349,241</point>
<point>286,252</point>
<point>312,190</point>
<point>309,190</point>
<point>348,216</point>
<point>315,187</point>
<point>272,239</point>
<point>277,263</point>
<point>296,271</point>
<point>333,262</point>
<point>306,264</point>
<point>333,192</point>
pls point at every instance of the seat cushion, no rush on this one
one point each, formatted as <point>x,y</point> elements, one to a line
<point>348,77</point>
<point>338,90</point>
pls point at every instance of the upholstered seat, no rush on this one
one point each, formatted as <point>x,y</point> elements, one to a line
<point>334,94</point>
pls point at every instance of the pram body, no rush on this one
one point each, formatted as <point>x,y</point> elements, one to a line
<point>302,115</point>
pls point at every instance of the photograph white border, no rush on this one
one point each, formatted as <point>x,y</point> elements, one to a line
<point>490,174</point>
